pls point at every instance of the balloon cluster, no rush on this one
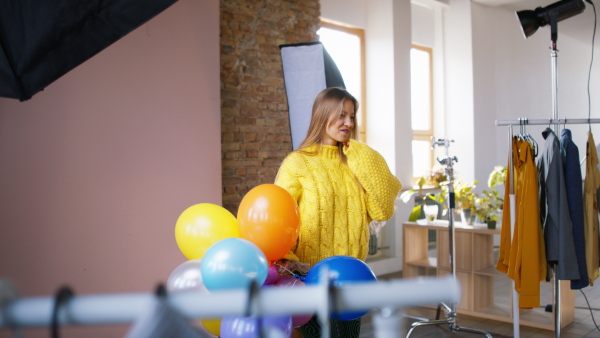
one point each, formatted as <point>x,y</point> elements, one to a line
<point>225,252</point>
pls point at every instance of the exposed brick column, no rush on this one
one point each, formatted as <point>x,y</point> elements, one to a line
<point>255,131</point>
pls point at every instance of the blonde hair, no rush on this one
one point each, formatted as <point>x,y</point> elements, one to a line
<point>329,102</point>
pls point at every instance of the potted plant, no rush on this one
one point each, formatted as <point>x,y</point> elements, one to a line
<point>464,197</point>
<point>420,198</point>
<point>487,205</point>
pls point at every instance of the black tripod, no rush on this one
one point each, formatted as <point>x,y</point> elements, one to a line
<point>449,310</point>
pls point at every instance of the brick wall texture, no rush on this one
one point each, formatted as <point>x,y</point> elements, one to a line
<point>255,131</point>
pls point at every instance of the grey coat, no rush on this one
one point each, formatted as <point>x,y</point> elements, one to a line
<point>554,210</point>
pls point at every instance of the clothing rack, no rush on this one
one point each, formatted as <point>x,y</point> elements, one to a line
<point>388,297</point>
<point>525,122</point>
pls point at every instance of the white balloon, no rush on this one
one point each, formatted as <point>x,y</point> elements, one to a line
<point>186,277</point>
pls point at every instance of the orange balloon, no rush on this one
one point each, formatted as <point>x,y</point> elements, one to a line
<point>268,217</point>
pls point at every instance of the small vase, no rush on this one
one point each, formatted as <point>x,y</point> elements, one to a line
<point>373,244</point>
<point>431,212</point>
<point>491,224</point>
<point>467,216</point>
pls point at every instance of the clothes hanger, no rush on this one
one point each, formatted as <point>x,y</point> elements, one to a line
<point>527,137</point>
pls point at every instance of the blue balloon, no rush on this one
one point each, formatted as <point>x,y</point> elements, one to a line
<point>232,263</point>
<point>250,327</point>
<point>343,271</point>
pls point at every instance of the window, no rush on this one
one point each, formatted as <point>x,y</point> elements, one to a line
<point>346,46</point>
<point>421,84</point>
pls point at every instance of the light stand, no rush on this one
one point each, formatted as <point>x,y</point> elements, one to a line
<point>449,310</point>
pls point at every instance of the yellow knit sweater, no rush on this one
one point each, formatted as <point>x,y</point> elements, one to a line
<point>335,209</point>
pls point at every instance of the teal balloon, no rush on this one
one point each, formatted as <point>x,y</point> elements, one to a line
<point>233,263</point>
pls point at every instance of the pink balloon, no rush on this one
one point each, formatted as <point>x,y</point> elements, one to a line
<point>272,275</point>
<point>288,281</point>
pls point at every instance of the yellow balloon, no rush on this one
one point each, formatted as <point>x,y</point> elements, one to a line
<point>202,225</point>
<point>213,326</point>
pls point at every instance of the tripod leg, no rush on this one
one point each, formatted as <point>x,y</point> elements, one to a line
<point>466,329</point>
<point>429,322</point>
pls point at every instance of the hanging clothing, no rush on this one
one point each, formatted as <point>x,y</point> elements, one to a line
<point>590,199</point>
<point>554,210</point>
<point>505,232</point>
<point>525,253</point>
<point>574,188</point>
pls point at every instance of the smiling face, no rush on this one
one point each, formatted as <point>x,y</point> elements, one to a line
<point>340,126</point>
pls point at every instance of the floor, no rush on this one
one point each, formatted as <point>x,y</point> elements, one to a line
<point>583,326</point>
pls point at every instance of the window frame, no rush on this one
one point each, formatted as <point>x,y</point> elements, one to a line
<point>360,33</point>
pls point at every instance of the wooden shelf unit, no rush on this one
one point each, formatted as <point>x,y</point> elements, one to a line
<point>485,292</point>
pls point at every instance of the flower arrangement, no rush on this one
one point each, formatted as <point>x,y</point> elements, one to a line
<point>464,196</point>
<point>489,203</point>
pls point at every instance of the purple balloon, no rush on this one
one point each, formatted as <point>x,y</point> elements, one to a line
<point>288,281</point>
<point>250,327</point>
<point>272,275</point>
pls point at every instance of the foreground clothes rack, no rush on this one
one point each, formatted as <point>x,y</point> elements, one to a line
<point>524,122</point>
<point>388,297</point>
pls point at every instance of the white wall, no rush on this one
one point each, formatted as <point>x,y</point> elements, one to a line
<point>484,96</point>
<point>349,12</point>
<point>458,74</point>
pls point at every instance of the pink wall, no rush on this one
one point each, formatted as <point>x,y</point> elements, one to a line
<point>95,169</point>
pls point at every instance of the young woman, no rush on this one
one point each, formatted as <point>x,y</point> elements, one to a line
<point>340,185</point>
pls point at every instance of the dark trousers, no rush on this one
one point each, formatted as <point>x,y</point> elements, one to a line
<point>337,328</point>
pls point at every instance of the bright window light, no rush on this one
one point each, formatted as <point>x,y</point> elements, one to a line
<point>344,49</point>
<point>420,87</point>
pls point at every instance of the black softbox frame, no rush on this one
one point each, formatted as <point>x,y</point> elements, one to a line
<point>41,41</point>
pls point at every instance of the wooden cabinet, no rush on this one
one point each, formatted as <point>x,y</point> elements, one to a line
<point>486,292</point>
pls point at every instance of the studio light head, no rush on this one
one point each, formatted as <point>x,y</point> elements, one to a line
<point>531,20</point>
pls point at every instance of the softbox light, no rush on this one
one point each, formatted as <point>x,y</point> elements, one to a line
<point>307,70</point>
<point>531,20</point>
<point>40,41</point>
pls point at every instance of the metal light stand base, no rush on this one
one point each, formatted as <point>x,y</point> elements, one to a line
<point>450,310</point>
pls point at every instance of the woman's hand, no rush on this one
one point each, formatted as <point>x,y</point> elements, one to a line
<point>287,267</point>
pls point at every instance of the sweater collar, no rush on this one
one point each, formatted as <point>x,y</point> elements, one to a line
<point>329,151</point>
<point>326,150</point>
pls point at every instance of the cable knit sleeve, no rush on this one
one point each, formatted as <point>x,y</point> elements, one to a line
<point>371,170</point>
<point>287,178</point>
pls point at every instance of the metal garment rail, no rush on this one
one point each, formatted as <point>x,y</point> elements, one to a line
<point>387,298</point>
<point>525,122</point>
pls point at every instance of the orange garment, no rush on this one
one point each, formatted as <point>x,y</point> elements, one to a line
<point>526,253</point>
<point>505,232</point>
<point>590,215</point>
